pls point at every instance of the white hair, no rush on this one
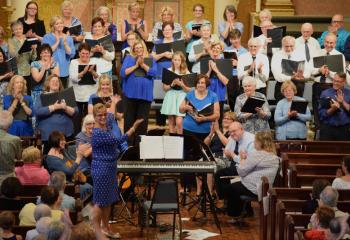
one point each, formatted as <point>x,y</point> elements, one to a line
<point>254,41</point>
<point>248,80</point>
<point>43,224</point>
<point>88,119</point>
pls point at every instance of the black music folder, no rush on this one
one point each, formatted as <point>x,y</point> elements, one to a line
<point>224,66</point>
<point>106,42</point>
<point>8,66</point>
<point>169,76</point>
<point>230,55</point>
<point>207,110</point>
<point>289,67</point>
<point>196,26</point>
<point>88,78</point>
<point>19,113</point>
<point>276,34</point>
<point>325,102</point>
<point>198,48</point>
<point>67,95</point>
<point>176,35</point>
<point>103,100</point>
<point>175,46</point>
<point>252,103</point>
<point>257,31</point>
<point>299,105</point>
<point>73,30</point>
<point>140,72</point>
<point>334,62</point>
<point>27,45</point>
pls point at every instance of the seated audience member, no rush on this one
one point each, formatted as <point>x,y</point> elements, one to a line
<point>240,141</point>
<point>41,227</point>
<point>336,27</point>
<point>329,197</point>
<point>49,196</point>
<point>298,77</point>
<point>10,147</point>
<point>338,228</point>
<point>82,231</point>
<point>290,124</point>
<point>20,105</point>
<point>57,230</point>
<point>252,166</point>
<point>255,64</point>
<point>32,173</point>
<point>307,45</point>
<point>58,181</point>
<point>217,138</point>
<point>252,122</point>
<point>55,117</point>
<point>320,223</point>
<point>264,40</point>
<point>323,76</point>
<point>167,15</point>
<point>334,111</point>
<point>343,181</point>
<point>311,204</point>
<point>84,137</point>
<point>229,24</point>
<point>11,188</point>
<point>7,221</point>
<point>205,40</point>
<point>106,15</point>
<point>233,84</point>
<point>194,34</point>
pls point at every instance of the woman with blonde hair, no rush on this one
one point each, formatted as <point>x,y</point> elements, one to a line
<point>106,15</point>
<point>175,94</point>
<point>69,20</point>
<point>32,173</point>
<point>290,125</point>
<point>137,72</point>
<point>62,46</point>
<point>166,15</point>
<point>55,117</point>
<point>133,24</point>
<point>262,162</point>
<point>20,106</point>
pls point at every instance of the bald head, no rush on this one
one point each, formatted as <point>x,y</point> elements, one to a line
<point>329,42</point>
<point>306,30</point>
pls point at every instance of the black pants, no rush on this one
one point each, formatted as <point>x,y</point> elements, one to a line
<point>332,133</point>
<point>221,183</point>
<point>300,85</point>
<point>232,92</point>
<point>234,203</point>
<point>64,81</point>
<point>78,118</point>
<point>29,84</point>
<point>135,109</point>
<point>317,89</point>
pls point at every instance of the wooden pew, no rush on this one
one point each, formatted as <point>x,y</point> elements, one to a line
<point>21,230</point>
<point>304,193</point>
<point>15,204</point>
<point>313,146</point>
<point>308,158</point>
<point>306,180</point>
<point>262,216</point>
<point>34,190</point>
<point>294,223</point>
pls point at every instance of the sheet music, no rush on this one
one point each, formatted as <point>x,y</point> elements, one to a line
<point>173,147</point>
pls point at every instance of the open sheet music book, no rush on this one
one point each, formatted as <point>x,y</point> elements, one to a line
<point>161,147</point>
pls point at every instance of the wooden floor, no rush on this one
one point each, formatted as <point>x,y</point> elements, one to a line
<point>229,232</point>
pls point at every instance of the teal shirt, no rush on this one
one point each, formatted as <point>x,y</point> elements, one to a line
<point>342,35</point>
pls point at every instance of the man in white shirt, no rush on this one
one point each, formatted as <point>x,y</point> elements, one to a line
<point>323,76</point>
<point>306,41</point>
<point>255,64</point>
<point>300,74</point>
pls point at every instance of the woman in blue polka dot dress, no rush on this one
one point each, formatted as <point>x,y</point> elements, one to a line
<point>105,151</point>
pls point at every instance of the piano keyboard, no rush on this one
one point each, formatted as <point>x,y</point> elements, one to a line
<point>166,167</point>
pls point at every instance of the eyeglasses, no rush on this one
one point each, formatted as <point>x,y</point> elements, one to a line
<point>30,8</point>
<point>335,21</point>
<point>101,115</point>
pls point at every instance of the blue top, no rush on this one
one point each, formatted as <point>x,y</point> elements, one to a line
<point>246,143</point>
<point>112,29</point>
<point>20,127</point>
<point>347,49</point>
<point>290,128</point>
<point>85,164</point>
<point>221,28</point>
<point>189,123</point>
<point>137,87</point>
<point>189,27</point>
<point>60,55</point>
<point>127,29</point>
<point>52,121</point>
<point>38,86</point>
<point>239,52</point>
<point>340,117</point>
<point>342,35</point>
<point>57,164</point>
<point>218,87</point>
<point>161,64</point>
